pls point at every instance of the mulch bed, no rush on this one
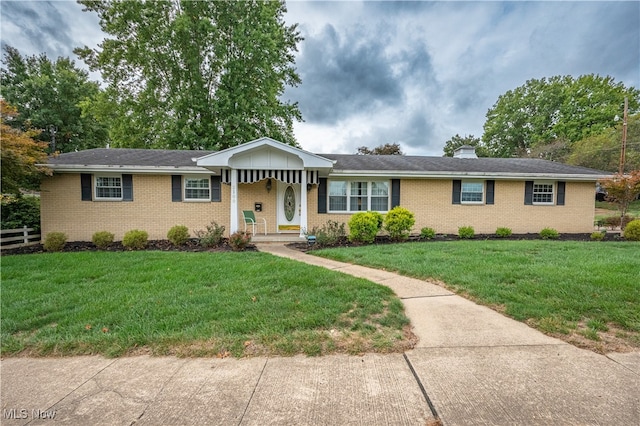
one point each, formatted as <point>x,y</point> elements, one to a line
<point>192,245</point>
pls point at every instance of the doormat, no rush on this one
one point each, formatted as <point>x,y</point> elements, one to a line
<point>288,227</point>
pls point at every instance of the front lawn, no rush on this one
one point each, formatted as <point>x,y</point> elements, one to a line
<point>585,292</point>
<point>191,304</point>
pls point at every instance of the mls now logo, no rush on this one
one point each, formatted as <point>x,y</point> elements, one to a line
<point>22,413</point>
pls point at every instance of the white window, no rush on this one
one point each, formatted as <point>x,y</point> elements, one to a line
<point>196,189</point>
<point>108,187</point>
<point>542,193</point>
<point>471,192</point>
<point>355,196</point>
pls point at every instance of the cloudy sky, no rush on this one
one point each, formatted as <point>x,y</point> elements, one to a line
<point>414,73</point>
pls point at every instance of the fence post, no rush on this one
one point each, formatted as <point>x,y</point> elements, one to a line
<point>25,234</point>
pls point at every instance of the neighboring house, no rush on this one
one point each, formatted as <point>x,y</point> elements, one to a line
<point>118,190</point>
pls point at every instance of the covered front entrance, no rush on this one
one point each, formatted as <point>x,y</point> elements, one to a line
<point>289,208</point>
<point>289,169</point>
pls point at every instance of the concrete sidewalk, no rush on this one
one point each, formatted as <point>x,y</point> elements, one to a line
<point>471,366</point>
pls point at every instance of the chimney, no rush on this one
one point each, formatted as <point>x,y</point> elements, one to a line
<point>465,151</point>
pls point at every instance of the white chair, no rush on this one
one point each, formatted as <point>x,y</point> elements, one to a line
<point>250,220</point>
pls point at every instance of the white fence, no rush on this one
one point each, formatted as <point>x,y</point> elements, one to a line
<point>12,238</point>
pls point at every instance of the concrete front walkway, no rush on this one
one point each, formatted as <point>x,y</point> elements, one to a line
<point>472,366</point>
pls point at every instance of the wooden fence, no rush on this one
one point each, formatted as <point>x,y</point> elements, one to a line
<point>12,238</point>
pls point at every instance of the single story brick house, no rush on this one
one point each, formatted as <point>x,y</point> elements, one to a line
<point>118,190</point>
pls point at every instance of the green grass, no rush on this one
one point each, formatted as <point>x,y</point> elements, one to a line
<point>190,304</point>
<point>554,286</point>
<point>634,209</point>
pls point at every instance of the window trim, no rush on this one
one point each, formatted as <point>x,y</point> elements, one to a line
<point>482,191</point>
<point>185,179</point>
<point>107,175</point>
<point>553,193</point>
<point>348,195</point>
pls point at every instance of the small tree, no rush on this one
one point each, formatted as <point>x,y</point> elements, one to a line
<point>622,190</point>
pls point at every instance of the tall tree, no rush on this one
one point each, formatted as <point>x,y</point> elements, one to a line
<point>194,74</point>
<point>20,154</point>
<point>457,141</point>
<point>385,149</point>
<point>49,95</point>
<point>602,151</point>
<point>558,110</point>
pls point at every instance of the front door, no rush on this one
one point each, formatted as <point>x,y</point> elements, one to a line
<point>288,207</point>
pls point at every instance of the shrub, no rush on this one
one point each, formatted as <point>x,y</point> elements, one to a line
<point>427,233</point>
<point>20,211</point>
<point>329,234</point>
<point>614,221</point>
<point>598,236</point>
<point>632,231</point>
<point>212,236</point>
<point>466,232</point>
<point>239,240</point>
<point>55,241</point>
<point>178,235</point>
<point>102,239</point>
<point>503,232</point>
<point>364,226</point>
<point>135,239</point>
<point>398,223</point>
<point>549,234</point>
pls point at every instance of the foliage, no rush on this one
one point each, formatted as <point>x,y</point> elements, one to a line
<point>20,211</point>
<point>427,233</point>
<point>135,239</point>
<point>466,232</point>
<point>398,223</point>
<point>329,234</point>
<point>457,141</point>
<point>598,235</point>
<point>212,236</point>
<point>385,149</point>
<point>602,151</point>
<point>617,221</point>
<point>363,227</point>
<point>632,231</point>
<point>549,234</point>
<point>178,235</point>
<point>194,74</point>
<point>19,154</point>
<point>503,232</point>
<point>191,305</point>
<point>622,190</point>
<point>54,241</point>
<point>49,96</point>
<point>238,241</point>
<point>102,239</point>
<point>556,109</point>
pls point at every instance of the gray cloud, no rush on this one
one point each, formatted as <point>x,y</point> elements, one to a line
<point>344,73</point>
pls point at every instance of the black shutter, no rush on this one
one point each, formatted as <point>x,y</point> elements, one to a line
<point>560,195</point>
<point>395,192</point>
<point>528,192</point>
<point>491,185</point>
<point>216,189</point>
<point>322,195</point>
<point>85,186</point>
<point>176,188</point>
<point>127,187</point>
<point>457,188</point>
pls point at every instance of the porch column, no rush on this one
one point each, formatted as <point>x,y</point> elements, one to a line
<point>303,203</point>
<point>234,202</point>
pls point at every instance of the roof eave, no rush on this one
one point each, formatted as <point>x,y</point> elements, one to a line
<point>89,168</point>
<point>466,175</point>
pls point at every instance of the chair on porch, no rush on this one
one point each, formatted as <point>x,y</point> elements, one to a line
<point>250,220</point>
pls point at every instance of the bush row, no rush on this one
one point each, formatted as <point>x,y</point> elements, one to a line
<point>211,236</point>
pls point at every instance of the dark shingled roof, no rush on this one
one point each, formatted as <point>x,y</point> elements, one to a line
<point>129,157</point>
<point>454,165</point>
<point>344,162</point>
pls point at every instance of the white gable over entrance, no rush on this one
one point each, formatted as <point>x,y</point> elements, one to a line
<point>265,153</point>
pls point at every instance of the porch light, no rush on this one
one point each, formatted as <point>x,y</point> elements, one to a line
<point>309,186</point>
<point>268,185</point>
